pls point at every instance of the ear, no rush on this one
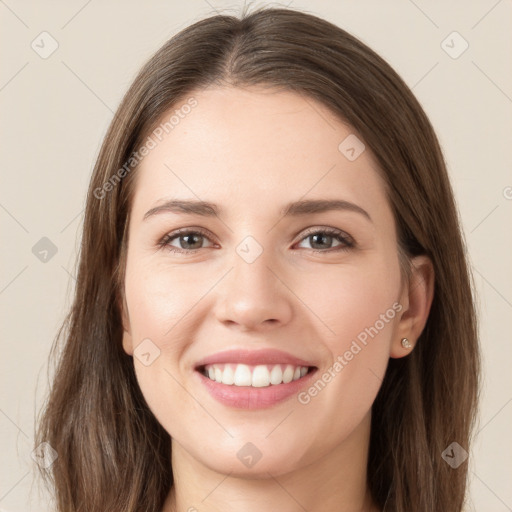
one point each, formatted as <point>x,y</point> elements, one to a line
<point>127,336</point>
<point>416,299</point>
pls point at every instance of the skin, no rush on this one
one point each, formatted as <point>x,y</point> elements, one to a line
<point>251,151</point>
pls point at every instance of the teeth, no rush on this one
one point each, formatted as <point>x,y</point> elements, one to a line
<point>228,376</point>
<point>242,375</point>
<point>288,374</point>
<point>276,375</point>
<point>259,376</point>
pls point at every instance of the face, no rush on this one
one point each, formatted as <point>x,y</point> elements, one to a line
<point>319,284</point>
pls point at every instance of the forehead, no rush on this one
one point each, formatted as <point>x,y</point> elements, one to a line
<point>252,148</point>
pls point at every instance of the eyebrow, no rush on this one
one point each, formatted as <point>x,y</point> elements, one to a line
<point>297,208</point>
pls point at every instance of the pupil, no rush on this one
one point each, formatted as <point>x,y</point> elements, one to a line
<point>322,236</point>
<point>189,243</point>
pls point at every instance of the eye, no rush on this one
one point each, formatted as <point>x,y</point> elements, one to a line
<point>320,238</point>
<point>191,240</point>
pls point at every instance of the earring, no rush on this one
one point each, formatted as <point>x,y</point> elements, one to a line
<point>406,343</point>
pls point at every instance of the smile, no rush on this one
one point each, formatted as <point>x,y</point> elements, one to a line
<point>245,395</point>
<point>257,376</point>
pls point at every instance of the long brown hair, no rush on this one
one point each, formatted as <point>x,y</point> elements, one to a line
<point>112,453</point>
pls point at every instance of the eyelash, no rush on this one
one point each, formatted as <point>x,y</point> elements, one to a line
<point>340,236</point>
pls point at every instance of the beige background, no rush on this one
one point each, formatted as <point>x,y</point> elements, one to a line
<point>55,111</point>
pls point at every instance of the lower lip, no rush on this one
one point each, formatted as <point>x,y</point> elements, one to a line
<point>248,397</point>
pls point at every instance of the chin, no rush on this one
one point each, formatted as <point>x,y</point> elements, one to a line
<point>253,460</point>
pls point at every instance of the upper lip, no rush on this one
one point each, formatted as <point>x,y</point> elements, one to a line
<point>253,357</point>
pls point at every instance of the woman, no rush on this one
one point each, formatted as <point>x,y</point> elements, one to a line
<point>273,308</point>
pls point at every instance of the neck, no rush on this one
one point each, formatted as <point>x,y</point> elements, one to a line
<point>334,482</point>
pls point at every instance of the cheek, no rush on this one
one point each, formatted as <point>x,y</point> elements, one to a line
<point>161,300</point>
<point>355,300</point>
<point>362,309</point>
<point>158,298</point>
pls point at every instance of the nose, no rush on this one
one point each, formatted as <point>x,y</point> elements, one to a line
<point>254,297</point>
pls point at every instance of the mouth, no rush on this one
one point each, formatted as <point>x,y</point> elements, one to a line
<point>255,376</point>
